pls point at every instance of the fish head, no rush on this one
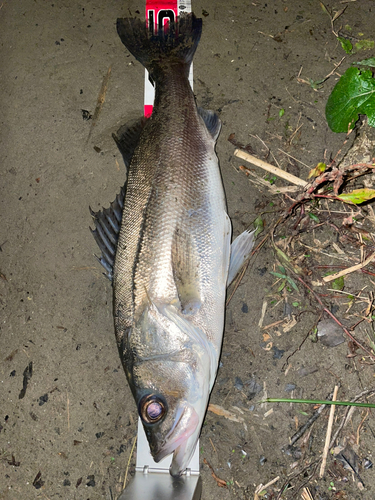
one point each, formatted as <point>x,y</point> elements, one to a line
<point>172,427</point>
<point>171,386</point>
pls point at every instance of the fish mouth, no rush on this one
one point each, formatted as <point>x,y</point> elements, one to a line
<point>181,440</point>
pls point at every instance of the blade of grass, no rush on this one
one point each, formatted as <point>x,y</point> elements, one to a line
<point>317,402</point>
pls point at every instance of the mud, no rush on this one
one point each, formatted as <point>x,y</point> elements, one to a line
<point>67,418</point>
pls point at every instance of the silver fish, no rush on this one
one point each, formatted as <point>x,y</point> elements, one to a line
<point>165,244</point>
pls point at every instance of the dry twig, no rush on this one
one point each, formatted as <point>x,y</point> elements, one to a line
<point>100,101</point>
<point>346,331</point>
<point>349,270</point>
<point>220,482</point>
<point>262,487</point>
<point>329,432</point>
<point>270,168</point>
<point>128,464</point>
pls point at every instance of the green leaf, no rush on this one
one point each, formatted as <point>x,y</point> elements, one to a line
<point>281,112</point>
<point>278,275</point>
<point>364,45</point>
<point>303,413</point>
<point>282,269</point>
<point>319,169</point>
<point>366,62</point>
<point>292,283</point>
<point>270,178</point>
<point>354,93</point>
<point>313,217</point>
<point>357,196</point>
<point>259,225</point>
<point>338,283</point>
<point>345,44</point>
<point>316,84</point>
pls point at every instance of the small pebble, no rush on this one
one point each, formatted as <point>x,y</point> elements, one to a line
<point>277,353</point>
<point>287,309</point>
<point>290,387</point>
<point>43,399</point>
<point>91,481</point>
<point>238,384</point>
<point>367,463</point>
<point>253,388</point>
<point>121,449</point>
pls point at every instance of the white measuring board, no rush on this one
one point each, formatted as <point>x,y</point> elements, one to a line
<point>159,12</point>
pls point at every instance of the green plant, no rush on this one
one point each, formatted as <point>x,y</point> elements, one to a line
<point>352,95</point>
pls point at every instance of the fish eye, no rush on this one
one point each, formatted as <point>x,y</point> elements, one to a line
<point>152,408</point>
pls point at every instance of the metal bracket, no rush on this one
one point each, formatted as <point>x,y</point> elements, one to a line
<point>152,480</point>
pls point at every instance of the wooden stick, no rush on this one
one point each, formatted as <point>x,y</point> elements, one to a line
<point>329,433</point>
<point>349,270</point>
<point>270,168</point>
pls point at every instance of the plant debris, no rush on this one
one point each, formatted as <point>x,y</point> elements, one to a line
<point>27,374</point>
<point>220,482</point>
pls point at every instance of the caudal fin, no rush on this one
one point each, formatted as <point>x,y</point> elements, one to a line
<point>175,44</point>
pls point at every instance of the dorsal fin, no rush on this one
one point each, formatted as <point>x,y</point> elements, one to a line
<point>107,227</point>
<point>127,138</point>
<point>108,220</point>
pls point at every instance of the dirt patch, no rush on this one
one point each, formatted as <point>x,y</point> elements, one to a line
<point>68,420</point>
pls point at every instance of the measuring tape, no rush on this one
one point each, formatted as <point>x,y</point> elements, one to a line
<point>160,13</point>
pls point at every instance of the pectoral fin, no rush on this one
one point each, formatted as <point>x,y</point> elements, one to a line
<point>240,253</point>
<point>185,265</point>
<point>195,334</point>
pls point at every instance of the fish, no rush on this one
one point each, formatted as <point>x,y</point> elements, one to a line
<point>165,244</point>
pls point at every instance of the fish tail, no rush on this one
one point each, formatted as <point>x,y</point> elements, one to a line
<point>175,44</point>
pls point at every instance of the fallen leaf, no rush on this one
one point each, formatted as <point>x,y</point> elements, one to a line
<point>319,169</point>
<point>357,196</point>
